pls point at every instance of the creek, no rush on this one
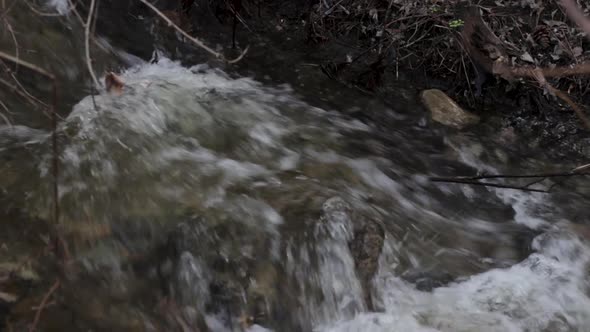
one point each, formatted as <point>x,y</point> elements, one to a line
<point>238,197</point>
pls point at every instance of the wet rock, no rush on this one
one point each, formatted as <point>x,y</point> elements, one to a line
<point>426,281</point>
<point>195,273</point>
<point>445,111</point>
<point>366,248</point>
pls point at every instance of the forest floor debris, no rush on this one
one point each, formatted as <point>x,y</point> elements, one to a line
<point>425,35</point>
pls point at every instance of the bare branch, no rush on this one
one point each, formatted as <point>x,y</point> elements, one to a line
<point>518,176</point>
<point>25,95</point>
<point>27,65</point>
<point>87,43</point>
<point>538,75</point>
<point>16,47</point>
<point>581,168</point>
<point>576,14</point>
<point>43,304</point>
<point>54,144</point>
<point>191,38</point>
<point>486,184</point>
<point>539,177</point>
<point>5,119</point>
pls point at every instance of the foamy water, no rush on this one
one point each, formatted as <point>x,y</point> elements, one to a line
<point>61,6</point>
<point>546,292</point>
<point>239,153</point>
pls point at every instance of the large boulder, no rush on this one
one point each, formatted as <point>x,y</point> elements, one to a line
<point>445,111</point>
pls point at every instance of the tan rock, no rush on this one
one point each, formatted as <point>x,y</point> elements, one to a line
<point>445,111</point>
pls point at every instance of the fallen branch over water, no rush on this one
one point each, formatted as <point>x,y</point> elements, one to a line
<point>475,180</point>
<point>486,184</point>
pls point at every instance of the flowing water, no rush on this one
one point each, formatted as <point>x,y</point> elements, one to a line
<point>237,199</point>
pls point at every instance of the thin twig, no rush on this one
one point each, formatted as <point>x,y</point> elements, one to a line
<point>538,75</point>
<point>191,38</point>
<point>60,243</point>
<point>581,168</point>
<point>15,89</point>
<point>52,303</point>
<point>513,176</point>
<point>486,184</point>
<point>43,304</point>
<point>6,108</point>
<point>16,47</point>
<point>87,43</point>
<point>537,181</point>
<point>539,177</point>
<point>26,65</point>
<point>576,14</point>
<point>81,21</point>
<point>5,119</point>
<point>24,90</point>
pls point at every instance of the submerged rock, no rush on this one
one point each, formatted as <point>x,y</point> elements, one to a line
<point>444,110</point>
<point>425,280</point>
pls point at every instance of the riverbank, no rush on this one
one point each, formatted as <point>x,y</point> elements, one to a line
<point>374,47</point>
<point>378,47</point>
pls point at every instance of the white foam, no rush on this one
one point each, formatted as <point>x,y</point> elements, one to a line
<point>61,6</point>
<point>546,292</point>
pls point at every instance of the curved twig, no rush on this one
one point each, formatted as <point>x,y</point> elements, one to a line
<point>43,304</point>
<point>87,43</point>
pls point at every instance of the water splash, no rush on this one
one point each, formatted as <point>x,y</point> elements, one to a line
<point>62,6</point>
<point>276,181</point>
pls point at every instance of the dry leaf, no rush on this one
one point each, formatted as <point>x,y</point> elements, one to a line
<point>527,57</point>
<point>246,321</point>
<point>113,83</point>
